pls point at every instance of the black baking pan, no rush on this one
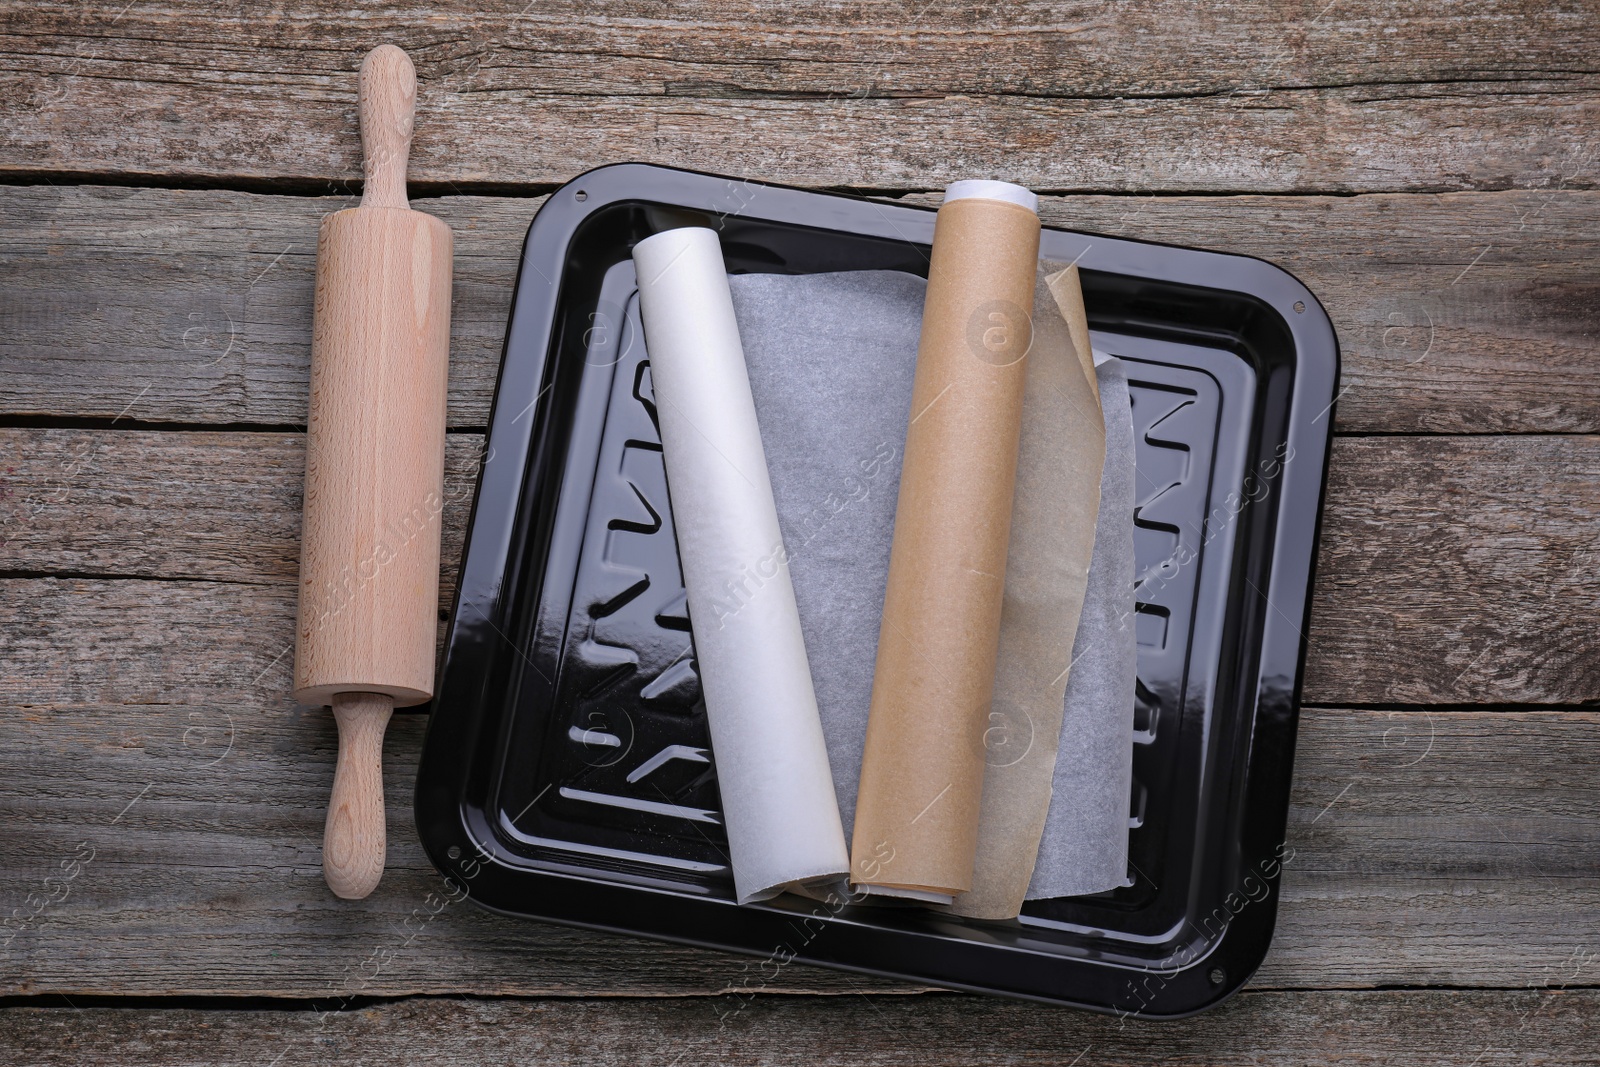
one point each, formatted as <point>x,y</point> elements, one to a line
<point>567,773</point>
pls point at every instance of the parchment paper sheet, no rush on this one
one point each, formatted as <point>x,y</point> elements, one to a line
<point>1085,844</point>
<point>772,765</point>
<point>831,358</point>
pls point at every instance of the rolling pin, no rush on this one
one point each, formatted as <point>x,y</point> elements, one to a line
<point>369,551</point>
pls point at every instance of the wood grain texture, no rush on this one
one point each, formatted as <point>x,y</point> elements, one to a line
<point>212,320</point>
<point>1461,313</point>
<point>1459,570</point>
<point>374,483</point>
<point>1265,96</point>
<point>1539,1025</point>
<point>128,503</point>
<point>354,837</point>
<point>1453,569</point>
<point>386,102</point>
<point>1429,848</point>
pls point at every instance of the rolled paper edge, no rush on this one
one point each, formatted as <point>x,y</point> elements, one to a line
<point>825,888</point>
<point>987,189</point>
<point>921,896</point>
<point>1066,291</point>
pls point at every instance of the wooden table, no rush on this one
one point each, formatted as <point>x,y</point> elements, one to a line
<point>1432,172</point>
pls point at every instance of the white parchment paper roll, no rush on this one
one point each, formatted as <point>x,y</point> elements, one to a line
<point>777,791</point>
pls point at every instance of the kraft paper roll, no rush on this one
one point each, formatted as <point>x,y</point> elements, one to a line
<point>923,763</point>
<point>777,792</point>
<point>1053,519</point>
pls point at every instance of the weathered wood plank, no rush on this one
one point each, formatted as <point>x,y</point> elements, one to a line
<point>1266,97</point>
<point>195,307</point>
<point>1547,1024</point>
<point>1459,570</point>
<point>1445,826</point>
<point>1032,47</point>
<point>1453,569</point>
<point>1430,847</point>
<point>211,505</point>
<point>1459,313</point>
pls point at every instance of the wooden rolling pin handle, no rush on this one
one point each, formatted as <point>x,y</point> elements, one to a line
<point>387,99</point>
<point>354,840</point>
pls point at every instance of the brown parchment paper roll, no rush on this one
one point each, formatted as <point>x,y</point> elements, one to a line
<point>1056,502</point>
<point>922,767</point>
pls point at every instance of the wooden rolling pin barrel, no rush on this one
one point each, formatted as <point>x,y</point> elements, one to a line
<point>369,563</point>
